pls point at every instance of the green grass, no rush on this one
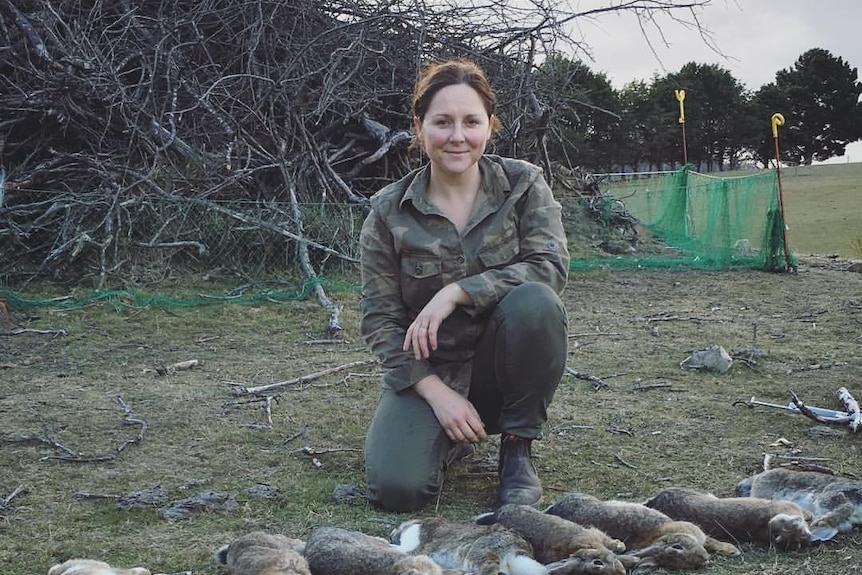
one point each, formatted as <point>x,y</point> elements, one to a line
<point>823,209</point>
<point>654,425</point>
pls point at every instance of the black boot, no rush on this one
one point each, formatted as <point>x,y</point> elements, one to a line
<point>519,482</point>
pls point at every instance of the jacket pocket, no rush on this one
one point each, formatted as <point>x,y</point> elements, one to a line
<point>503,250</point>
<point>421,279</point>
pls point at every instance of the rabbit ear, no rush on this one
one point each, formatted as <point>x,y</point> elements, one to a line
<point>823,533</point>
<point>408,537</point>
<point>486,518</point>
<point>220,555</point>
<point>743,488</point>
<point>646,566</point>
<point>520,564</point>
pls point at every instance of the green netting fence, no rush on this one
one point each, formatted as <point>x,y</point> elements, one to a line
<point>698,221</point>
<point>686,220</point>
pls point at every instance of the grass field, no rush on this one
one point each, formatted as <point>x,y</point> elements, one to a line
<point>78,385</point>
<point>823,209</point>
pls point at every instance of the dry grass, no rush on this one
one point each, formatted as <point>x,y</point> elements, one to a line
<point>823,210</point>
<point>654,425</point>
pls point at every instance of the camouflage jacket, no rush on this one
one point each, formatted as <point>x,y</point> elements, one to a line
<point>409,251</point>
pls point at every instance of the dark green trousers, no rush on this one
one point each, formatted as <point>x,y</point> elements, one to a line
<point>517,367</point>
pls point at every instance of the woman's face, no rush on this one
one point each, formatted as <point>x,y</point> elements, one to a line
<point>455,130</point>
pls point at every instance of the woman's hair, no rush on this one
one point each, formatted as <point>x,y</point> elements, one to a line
<point>438,75</point>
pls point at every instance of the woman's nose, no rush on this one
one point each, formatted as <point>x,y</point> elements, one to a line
<point>457,133</point>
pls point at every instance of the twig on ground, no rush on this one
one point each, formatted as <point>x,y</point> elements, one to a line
<point>815,366</point>
<point>313,451</point>
<point>598,383</point>
<point>242,390</point>
<point>23,330</point>
<point>6,502</point>
<point>567,426</point>
<point>267,400</point>
<point>816,414</point>
<point>615,429</point>
<point>649,386</point>
<point>798,462</point>
<point>70,456</point>
<point>90,495</point>
<point>625,463</point>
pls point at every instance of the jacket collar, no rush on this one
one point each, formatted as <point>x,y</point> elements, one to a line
<point>494,189</point>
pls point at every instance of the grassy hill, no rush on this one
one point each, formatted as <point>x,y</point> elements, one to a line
<point>823,209</point>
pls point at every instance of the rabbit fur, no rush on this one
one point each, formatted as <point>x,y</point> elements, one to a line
<point>782,524</point>
<point>588,562</point>
<point>477,549</point>
<point>554,538</point>
<point>92,567</point>
<point>654,538</point>
<point>260,553</point>
<point>336,551</point>
<point>835,503</point>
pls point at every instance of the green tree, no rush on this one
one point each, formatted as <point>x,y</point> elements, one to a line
<point>637,127</point>
<point>823,113</point>
<point>585,112</point>
<point>766,102</point>
<point>714,102</point>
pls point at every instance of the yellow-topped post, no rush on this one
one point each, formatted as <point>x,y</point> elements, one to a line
<point>778,120</point>
<point>680,97</point>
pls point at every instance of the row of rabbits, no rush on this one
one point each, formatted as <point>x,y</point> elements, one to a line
<point>578,535</point>
<point>678,528</point>
<point>430,546</point>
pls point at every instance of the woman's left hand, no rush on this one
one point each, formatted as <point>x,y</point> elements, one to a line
<point>422,333</point>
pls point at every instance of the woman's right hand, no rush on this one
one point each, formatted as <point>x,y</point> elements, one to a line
<point>422,333</point>
<point>457,416</point>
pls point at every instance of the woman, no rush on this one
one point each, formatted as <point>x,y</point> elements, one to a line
<point>462,264</point>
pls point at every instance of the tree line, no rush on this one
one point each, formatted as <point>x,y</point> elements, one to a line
<point>638,127</point>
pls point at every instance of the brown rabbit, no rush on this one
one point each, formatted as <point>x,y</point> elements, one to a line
<point>259,553</point>
<point>780,523</point>
<point>835,503</point>
<point>650,535</point>
<point>92,567</point>
<point>554,538</point>
<point>476,549</point>
<point>337,551</point>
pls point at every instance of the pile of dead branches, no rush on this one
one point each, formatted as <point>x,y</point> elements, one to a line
<point>118,117</point>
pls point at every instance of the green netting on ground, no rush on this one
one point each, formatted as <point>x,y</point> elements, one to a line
<point>689,220</point>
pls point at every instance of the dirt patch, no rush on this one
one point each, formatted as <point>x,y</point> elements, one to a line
<point>69,403</point>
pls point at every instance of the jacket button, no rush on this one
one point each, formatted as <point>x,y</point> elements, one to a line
<point>418,269</point>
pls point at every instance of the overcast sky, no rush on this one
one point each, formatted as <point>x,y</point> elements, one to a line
<point>756,37</point>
